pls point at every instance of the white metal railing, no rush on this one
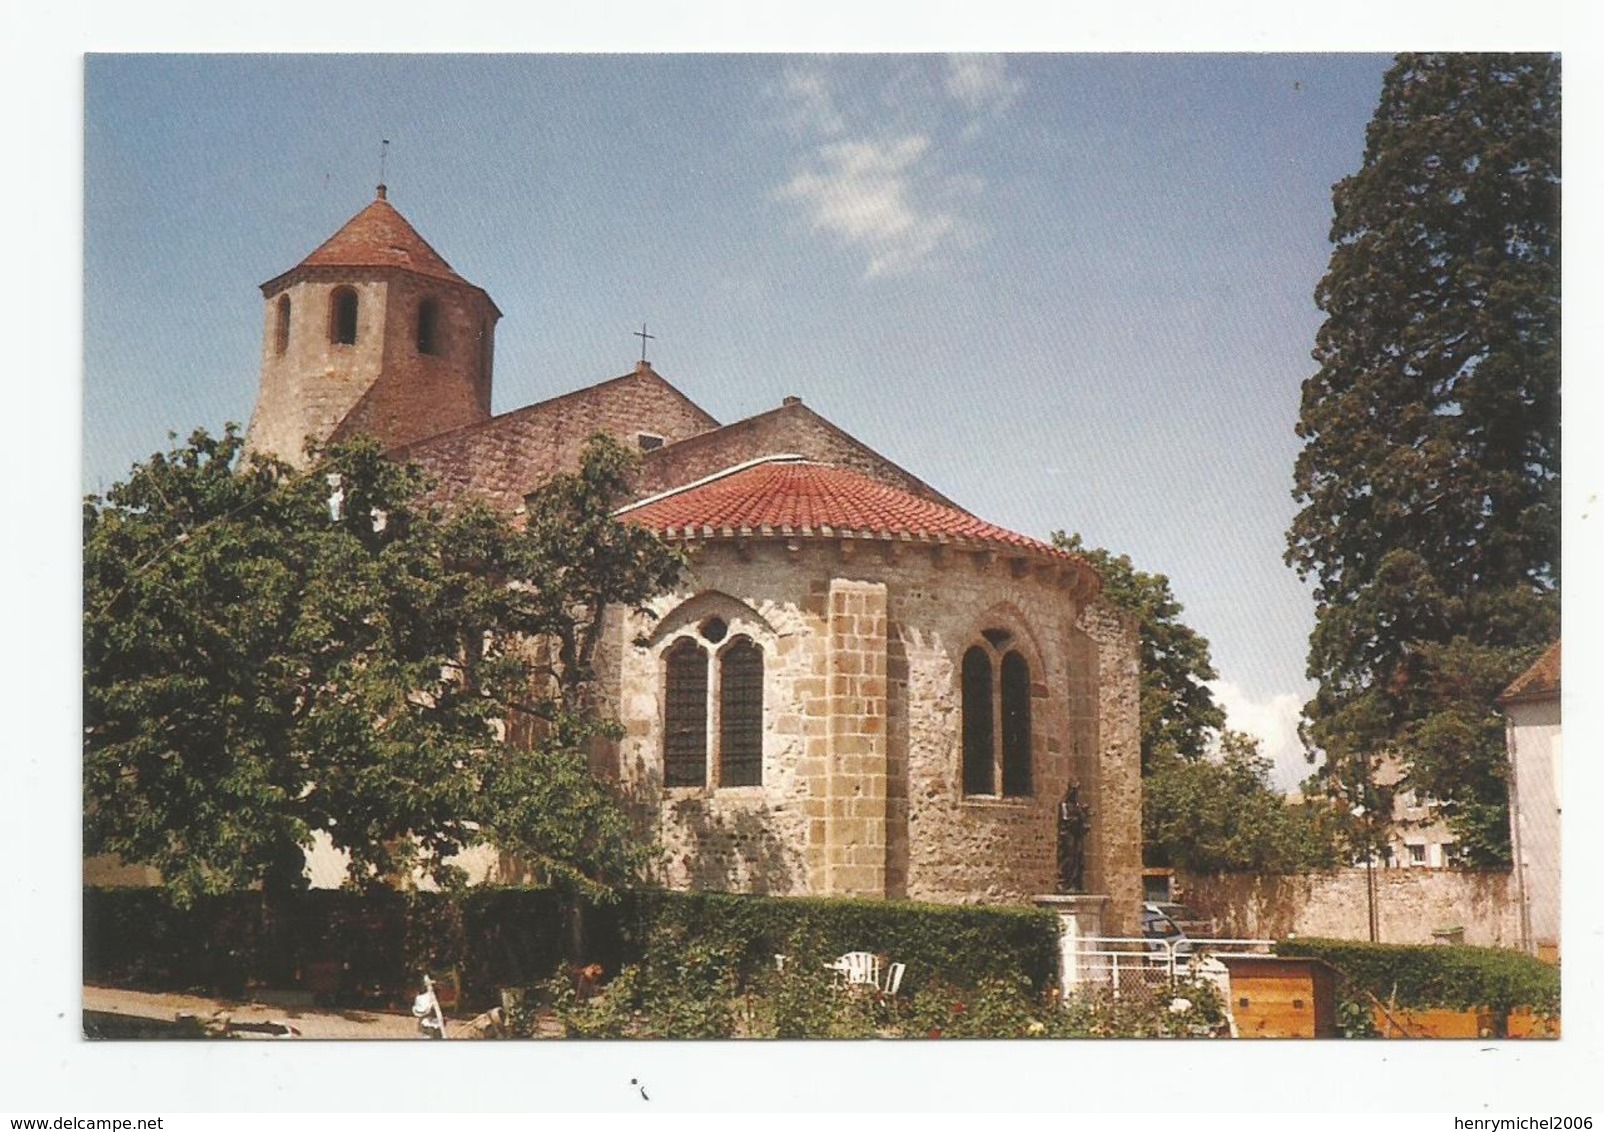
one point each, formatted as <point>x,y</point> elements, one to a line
<point>1129,964</point>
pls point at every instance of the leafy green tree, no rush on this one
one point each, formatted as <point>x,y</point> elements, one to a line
<point>1178,712</point>
<point>271,653</point>
<point>1429,476</point>
<point>1220,814</point>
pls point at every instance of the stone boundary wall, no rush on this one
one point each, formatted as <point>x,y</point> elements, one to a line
<point>1411,904</point>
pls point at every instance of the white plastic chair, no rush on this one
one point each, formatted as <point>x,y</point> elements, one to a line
<point>894,979</point>
<point>861,968</point>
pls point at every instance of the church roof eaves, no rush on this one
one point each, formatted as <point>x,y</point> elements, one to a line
<point>788,497</point>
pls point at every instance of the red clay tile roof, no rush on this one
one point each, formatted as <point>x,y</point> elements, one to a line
<point>790,497</point>
<point>792,428</point>
<point>1541,679</point>
<point>378,236</point>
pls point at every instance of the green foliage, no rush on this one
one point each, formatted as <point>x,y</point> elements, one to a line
<point>271,653</point>
<point>1429,478</point>
<point>1220,815</point>
<point>382,941</point>
<point>1200,813</point>
<point>1452,977</point>
<point>616,1013</point>
<point>803,1001</point>
<point>1178,712</point>
<point>1191,1009</point>
<point>961,945</point>
<point>995,1007</point>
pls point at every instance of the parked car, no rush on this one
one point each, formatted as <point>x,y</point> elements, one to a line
<point>1188,920</point>
<point>1163,929</point>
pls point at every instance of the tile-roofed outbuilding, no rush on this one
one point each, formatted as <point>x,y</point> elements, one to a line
<point>785,496</point>
<point>1541,679</point>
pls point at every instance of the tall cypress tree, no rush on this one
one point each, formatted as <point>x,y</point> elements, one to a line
<point>1429,477</point>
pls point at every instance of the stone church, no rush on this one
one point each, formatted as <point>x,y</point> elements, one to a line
<point>860,689</point>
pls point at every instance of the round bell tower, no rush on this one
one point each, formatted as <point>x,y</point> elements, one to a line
<point>372,334</point>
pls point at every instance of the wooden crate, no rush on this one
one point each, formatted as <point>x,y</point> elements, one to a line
<point>1524,1024</point>
<point>1276,996</point>
<point>1433,1023</point>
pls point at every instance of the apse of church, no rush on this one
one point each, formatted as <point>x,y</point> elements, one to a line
<point>861,688</point>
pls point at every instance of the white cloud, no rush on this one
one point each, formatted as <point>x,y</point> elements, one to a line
<point>982,83</point>
<point>876,171</point>
<point>864,193</point>
<point>1274,722</point>
<point>809,101</point>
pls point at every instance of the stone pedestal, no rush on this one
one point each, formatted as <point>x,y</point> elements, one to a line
<point>1080,917</point>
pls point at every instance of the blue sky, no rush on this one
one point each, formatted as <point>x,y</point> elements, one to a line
<point>1071,291</point>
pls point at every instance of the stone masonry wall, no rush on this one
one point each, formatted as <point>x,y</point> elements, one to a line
<point>938,844</point>
<point>854,857</point>
<point>1410,905</point>
<point>311,387</point>
<point>1116,840</point>
<point>380,385</point>
<point>510,455</point>
<point>419,395</point>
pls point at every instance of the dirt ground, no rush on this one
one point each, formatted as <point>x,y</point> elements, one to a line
<point>119,1011</point>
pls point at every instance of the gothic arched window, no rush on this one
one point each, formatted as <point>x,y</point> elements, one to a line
<point>1015,696</point>
<point>281,336</point>
<point>740,714</point>
<point>342,316</point>
<point>685,715</point>
<point>996,719</point>
<point>428,327</point>
<point>979,748</point>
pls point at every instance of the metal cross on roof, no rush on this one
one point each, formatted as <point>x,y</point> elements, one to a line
<point>642,335</point>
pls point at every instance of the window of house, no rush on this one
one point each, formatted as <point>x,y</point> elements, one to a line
<point>725,687</point>
<point>648,441</point>
<point>342,316</point>
<point>428,327</point>
<point>996,719</point>
<point>281,337</point>
<point>1417,854</point>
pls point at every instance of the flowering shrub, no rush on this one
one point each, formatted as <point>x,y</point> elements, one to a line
<point>1193,1009</point>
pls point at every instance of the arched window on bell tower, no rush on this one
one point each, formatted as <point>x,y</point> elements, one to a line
<point>429,327</point>
<point>342,316</point>
<point>281,336</point>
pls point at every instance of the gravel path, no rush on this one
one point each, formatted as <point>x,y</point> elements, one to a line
<point>312,1022</point>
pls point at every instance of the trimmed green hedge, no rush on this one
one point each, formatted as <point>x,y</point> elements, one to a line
<point>372,946</point>
<point>963,945</point>
<point>1426,976</point>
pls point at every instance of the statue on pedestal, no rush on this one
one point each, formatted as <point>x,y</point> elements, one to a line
<point>1073,823</point>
